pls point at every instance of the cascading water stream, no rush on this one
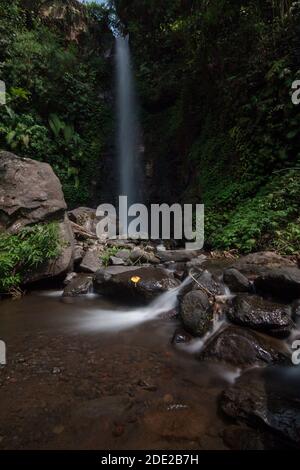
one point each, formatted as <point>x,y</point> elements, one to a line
<point>108,320</point>
<point>128,128</point>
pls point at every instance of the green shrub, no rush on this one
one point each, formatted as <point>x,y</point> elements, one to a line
<point>28,249</point>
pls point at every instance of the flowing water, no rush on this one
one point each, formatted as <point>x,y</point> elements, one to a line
<point>87,373</point>
<point>128,129</point>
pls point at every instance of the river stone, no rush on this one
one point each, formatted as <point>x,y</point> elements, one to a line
<point>196,313</point>
<point>242,348</point>
<point>280,283</point>
<point>268,397</point>
<point>236,281</point>
<point>91,262</point>
<point>203,279</point>
<point>79,285</point>
<point>261,315</point>
<point>117,281</point>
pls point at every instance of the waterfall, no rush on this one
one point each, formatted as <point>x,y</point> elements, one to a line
<point>128,130</point>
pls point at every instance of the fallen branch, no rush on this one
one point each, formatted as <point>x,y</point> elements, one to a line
<point>210,294</point>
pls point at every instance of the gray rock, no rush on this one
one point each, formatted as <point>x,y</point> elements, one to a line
<point>242,348</point>
<point>281,283</point>
<point>136,283</point>
<point>80,285</point>
<point>91,262</point>
<point>261,315</point>
<point>236,281</point>
<point>196,313</point>
<point>30,193</point>
<point>115,261</point>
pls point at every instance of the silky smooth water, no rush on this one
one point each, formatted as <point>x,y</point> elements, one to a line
<point>128,129</point>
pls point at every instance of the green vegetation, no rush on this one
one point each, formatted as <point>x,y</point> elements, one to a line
<point>215,82</point>
<point>28,249</point>
<point>108,253</point>
<point>56,110</point>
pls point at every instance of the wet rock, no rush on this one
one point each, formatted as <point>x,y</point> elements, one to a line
<point>280,283</point>
<point>296,310</point>
<point>69,278</point>
<point>236,281</point>
<point>196,313</point>
<point>80,285</point>
<point>139,255</point>
<point>242,348</point>
<point>261,315</point>
<point>130,282</point>
<point>205,280</point>
<point>269,398</point>
<point>91,262</point>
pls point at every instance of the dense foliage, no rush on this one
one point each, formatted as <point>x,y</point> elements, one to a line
<point>56,76</point>
<point>25,250</point>
<point>215,81</point>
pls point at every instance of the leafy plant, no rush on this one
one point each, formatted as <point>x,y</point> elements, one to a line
<point>28,249</point>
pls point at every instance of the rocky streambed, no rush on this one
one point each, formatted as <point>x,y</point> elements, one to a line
<point>143,346</point>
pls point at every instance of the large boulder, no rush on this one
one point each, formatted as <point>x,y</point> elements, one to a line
<point>267,397</point>
<point>281,283</point>
<point>196,313</point>
<point>261,315</point>
<point>129,282</point>
<point>30,193</point>
<point>242,348</point>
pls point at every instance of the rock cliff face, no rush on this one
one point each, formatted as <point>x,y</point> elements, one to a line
<point>31,193</point>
